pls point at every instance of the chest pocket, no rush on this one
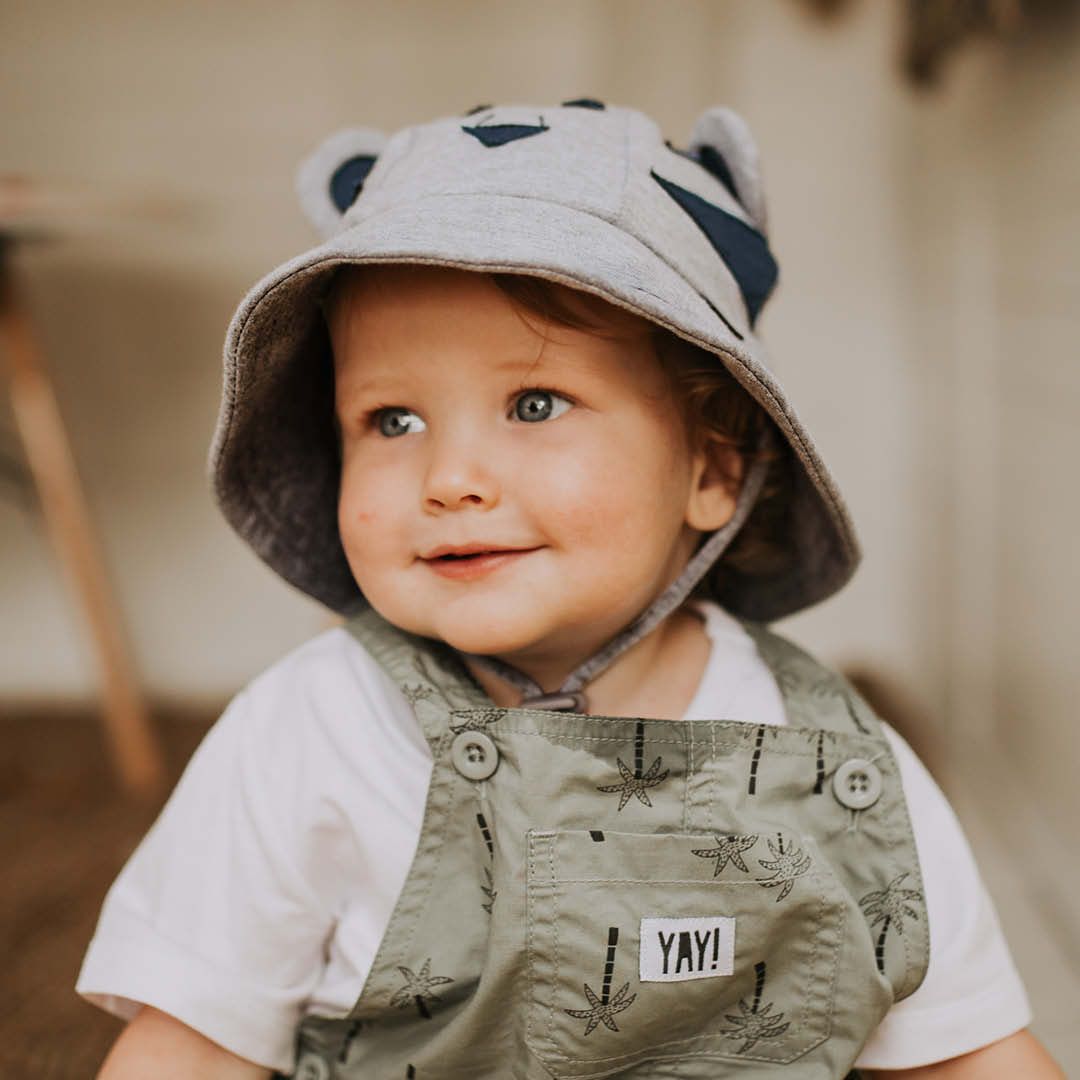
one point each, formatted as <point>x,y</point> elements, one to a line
<point>649,947</point>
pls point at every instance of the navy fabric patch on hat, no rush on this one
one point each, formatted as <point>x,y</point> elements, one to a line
<point>348,179</point>
<point>743,248</point>
<point>584,103</point>
<point>499,134</point>
<point>711,161</point>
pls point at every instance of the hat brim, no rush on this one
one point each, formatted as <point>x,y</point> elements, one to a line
<point>274,458</point>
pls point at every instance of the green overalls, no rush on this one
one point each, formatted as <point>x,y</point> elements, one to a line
<point>602,896</point>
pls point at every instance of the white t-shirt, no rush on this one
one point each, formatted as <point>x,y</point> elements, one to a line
<point>264,888</point>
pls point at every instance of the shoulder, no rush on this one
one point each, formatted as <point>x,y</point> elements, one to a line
<point>321,670</point>
<point>313,747</point>
<point>324,697</point>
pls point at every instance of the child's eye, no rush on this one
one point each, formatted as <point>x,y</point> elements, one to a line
<point>397,421</point>
<point>536,405</point>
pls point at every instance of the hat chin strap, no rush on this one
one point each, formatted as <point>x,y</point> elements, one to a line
<point>570,697</point>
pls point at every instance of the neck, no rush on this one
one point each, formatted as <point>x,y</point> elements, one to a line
<point>657,676</point>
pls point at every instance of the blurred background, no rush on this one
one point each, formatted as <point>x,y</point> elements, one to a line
<point>922,162</point>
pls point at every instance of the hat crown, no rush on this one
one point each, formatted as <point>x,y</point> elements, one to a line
<point>584,158</point>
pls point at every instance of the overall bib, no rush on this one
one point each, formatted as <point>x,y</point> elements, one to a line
<point>605,896</point>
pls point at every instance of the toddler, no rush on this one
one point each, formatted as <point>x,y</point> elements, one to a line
<point>553,802</point>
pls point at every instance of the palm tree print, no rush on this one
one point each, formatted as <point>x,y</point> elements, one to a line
<point>418,989</point>
<point>889,906</point>
<point>786,866</point>
<point>635,783</point>
<point>755,1021</point>
<point>728,849</point>
<point>415,692</point>
<point>602,1009</point>
<point>472,719</point>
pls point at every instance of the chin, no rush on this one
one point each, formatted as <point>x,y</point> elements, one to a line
<point>486,637</point>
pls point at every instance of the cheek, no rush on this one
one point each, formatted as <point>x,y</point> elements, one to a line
<point>365,510</point>
<point>617,497</point>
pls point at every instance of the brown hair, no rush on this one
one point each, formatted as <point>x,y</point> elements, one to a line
<point>716,409</point>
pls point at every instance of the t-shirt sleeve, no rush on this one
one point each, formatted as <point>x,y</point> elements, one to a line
<point>972,995</point>
<point>216,918</point>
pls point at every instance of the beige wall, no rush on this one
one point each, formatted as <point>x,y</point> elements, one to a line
<point>925,325</point>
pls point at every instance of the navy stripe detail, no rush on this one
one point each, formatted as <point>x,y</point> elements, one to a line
<point>744,250</point>
<point>500,134</point>
<point>711,159</point>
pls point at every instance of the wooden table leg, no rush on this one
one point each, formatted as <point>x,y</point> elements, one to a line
<point>132,742</point>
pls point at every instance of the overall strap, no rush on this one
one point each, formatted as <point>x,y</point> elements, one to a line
<point>814,695</point>
<point>429,673</point>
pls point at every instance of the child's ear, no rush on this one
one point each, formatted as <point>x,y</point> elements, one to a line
<point>715,482</point>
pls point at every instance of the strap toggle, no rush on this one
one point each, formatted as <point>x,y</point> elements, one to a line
<point>572,701</point>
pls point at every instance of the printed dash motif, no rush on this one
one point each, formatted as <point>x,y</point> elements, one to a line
<point>488,888</point>
<point>354,1027</point>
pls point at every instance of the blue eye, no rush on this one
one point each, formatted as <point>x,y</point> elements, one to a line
<point>536,405</point>
<point>397,421</point>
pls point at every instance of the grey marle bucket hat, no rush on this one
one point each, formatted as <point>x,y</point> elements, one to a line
<point>584,194</point>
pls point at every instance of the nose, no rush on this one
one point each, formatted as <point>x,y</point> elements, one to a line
<point>458,476</point>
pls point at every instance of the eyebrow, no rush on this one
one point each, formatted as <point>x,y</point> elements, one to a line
<point>540,362</point>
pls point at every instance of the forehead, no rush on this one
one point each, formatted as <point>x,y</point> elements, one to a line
<point>392,315</point>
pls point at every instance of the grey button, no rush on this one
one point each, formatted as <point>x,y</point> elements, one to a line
<point>474,755</point>
<point>310,1067</point>
<point>857,784</point>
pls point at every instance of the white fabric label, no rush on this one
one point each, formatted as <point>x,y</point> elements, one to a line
<point>673,950</point>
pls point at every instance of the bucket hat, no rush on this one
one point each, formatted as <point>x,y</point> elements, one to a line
<point>585,194</point>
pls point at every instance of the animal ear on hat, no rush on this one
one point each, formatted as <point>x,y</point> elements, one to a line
<point>722,143</point>
<point>330,178</point>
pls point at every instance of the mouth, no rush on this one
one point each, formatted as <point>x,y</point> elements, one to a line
<point>449,553</point>
<point>471,560</point>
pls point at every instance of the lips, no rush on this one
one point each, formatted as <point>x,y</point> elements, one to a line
<point>450,552</point>
<point>471,562</point>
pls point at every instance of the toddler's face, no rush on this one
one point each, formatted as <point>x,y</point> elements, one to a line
<point>510,487</point>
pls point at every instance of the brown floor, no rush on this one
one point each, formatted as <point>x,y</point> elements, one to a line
<point>65,831</point>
